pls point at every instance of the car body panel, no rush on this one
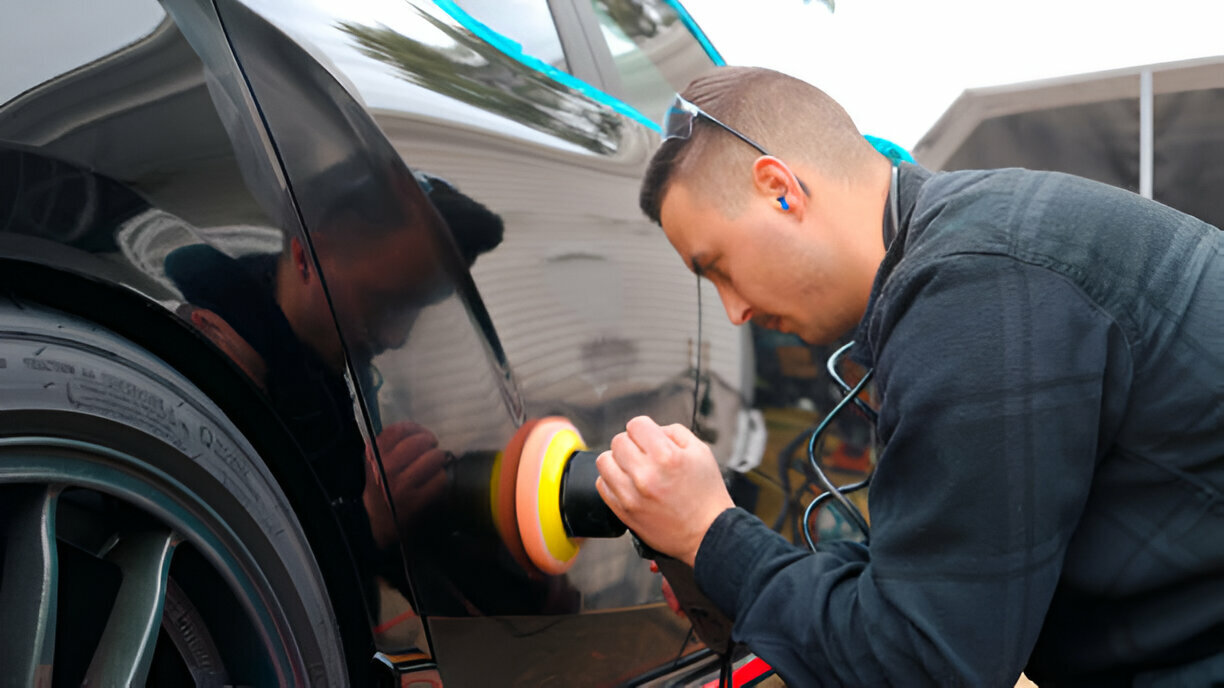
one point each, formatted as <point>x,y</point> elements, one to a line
<point>140,143</point>
<point>592,316</point>
<point>180,154</point>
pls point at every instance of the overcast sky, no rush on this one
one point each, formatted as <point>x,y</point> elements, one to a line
<point>896,65</point>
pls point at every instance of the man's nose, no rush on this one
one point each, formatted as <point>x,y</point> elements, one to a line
<point>738,310</point>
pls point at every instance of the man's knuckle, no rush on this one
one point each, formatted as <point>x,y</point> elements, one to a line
<point>618,442</point>
<point>638,423</point>
<point>629,501</point>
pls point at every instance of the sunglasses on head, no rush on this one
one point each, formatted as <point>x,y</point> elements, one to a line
<point>678,124</point>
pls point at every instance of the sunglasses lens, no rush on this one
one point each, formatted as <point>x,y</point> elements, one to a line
<point>678,122</point>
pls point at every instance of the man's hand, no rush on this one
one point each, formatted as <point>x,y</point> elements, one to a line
<point>664,484</point>
<point>416,475</point>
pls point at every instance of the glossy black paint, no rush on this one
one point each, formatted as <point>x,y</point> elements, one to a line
<point>405,244</point>
<point>126,156</point>
<point>572,251</point>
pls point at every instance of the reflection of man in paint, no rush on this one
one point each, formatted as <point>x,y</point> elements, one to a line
<point>383,257</point>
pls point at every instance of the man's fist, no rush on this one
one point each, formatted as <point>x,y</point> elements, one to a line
<point>664,484</point>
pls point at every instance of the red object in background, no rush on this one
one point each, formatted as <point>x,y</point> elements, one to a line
<point>849,459</point>
<point>746,675</point>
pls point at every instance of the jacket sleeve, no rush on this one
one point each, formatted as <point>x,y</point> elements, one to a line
<point>991,374</point>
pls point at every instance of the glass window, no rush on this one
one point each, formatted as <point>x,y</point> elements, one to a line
<point>655,53</point>
<point>526,22</point>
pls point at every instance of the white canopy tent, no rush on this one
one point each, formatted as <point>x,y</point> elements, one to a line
<point>1157,130</point>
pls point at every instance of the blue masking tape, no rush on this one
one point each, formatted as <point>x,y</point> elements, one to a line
<point>515,51</point>
<point>889,149</point>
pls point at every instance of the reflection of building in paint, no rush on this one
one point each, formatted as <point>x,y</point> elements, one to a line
<point>486,77</point>
<point>547,290</point>
<point>118,26</point>
<point>148,238</point>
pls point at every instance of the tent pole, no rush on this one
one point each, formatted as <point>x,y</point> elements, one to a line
<point>1145,133</point>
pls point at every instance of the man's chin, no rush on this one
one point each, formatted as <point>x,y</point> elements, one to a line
<point>809,336</point>
<point>786,327</point>
<point>812,336</point>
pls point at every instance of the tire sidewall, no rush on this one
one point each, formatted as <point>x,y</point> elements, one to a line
<point>63,377</point>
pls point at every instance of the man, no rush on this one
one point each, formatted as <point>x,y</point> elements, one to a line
<point>1049,355</point>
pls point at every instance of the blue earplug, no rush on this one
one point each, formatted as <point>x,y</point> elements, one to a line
<point>783,203</point>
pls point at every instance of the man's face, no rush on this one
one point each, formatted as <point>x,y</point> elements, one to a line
<point>771,267</point>
<point>379,290</point>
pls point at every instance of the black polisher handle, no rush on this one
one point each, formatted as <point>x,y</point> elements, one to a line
<point>583,511</point>
<point>709,623</point>
<point>585,514</point>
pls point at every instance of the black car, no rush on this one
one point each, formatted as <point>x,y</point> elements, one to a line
<point>273,275</point>
<point>281,286</point>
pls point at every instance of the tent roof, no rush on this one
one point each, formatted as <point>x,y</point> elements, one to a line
<point>977,105</point>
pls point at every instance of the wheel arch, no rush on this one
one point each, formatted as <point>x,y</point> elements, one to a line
<point>95,295</point>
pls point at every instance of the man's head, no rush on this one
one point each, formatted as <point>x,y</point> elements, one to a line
<point>381,244</point>
<point>804,268</point>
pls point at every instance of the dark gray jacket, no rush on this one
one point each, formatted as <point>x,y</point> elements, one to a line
<point>1049,354</point>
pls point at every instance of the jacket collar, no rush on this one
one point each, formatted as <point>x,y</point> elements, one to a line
<point>910,180</point>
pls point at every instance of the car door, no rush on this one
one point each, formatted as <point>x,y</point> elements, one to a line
<point>521,281</point>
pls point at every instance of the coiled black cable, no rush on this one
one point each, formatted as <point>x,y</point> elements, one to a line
<point>831,366</point>
<point>832,491</point>
<point>815,437</point>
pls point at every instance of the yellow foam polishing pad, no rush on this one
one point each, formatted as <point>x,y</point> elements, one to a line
<point>538,495</point>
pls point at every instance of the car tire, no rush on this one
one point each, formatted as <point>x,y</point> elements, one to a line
<point>143,538</point>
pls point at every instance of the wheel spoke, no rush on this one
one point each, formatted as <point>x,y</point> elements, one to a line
<point>125,652</point>
<point>28,585</point>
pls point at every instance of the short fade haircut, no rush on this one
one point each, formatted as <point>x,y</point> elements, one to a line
<point>790,118</point>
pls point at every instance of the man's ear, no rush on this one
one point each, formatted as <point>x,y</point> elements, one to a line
<point>301,261</point>
<point>775,183</point>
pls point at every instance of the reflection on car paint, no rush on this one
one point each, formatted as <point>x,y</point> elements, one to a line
<point>591,311</point>
<point>473,71</point>
<point>514,51</point>
<point>429,244</point>
<point>194,218</point>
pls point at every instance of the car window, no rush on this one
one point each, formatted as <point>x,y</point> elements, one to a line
<point>654,51</point>
<point>527,22</point>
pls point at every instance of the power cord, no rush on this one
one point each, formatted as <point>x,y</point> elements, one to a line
<point>815,438</point>
<point>724,673</point>
<point>848,508</point>
<point>831,366</point>
<point>697,369</point>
